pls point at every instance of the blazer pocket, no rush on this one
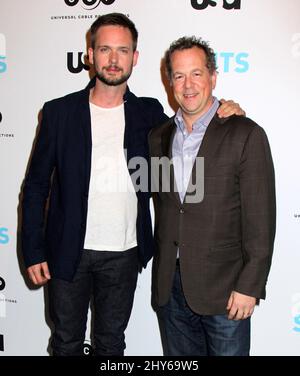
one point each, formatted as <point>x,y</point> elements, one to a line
<point>226,253</point>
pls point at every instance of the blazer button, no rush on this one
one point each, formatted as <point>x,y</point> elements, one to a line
<point>176,243</point>
<point>181,211</point>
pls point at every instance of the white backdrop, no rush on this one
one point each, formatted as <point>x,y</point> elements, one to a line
<point>258,50</point>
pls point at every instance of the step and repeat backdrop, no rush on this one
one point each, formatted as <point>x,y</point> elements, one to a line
<point>42,56</point>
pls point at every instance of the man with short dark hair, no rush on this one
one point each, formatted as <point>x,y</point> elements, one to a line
<point>214,249</point>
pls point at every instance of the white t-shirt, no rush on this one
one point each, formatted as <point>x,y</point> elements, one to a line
<point>112,202</point>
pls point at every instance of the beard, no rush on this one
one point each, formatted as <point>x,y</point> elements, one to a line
<point>113,81</point>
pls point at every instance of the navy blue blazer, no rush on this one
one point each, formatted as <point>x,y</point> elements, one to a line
<point>61,165</point>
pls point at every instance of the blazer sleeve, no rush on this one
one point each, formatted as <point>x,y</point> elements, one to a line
<point>36,190</point>
<point>258,213</point>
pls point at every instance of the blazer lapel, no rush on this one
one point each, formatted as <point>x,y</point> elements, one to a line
<point>167,138</point>
<point>213,137</point>
<point>131,118</point>
<point>85,123</point>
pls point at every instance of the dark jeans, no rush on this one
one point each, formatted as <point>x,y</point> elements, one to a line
<point>185,333</point>
<point>110,277</point>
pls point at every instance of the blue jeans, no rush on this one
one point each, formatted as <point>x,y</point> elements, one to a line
<point>110,278</point>
<point>185,333</point>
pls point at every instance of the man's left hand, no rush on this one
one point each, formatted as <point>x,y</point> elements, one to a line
<point>229,108</point>
<point>240,306</point>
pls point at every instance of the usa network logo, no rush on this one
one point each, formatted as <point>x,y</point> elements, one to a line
<point>228,5</point>
<point>4,238</point>
<point>77,64</point>
<point>3,65</point>
<point>88,4</point>
<point>2,284</point>
<point>2,299</point>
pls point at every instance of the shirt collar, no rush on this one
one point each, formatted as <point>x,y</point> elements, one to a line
<point>202,121</point>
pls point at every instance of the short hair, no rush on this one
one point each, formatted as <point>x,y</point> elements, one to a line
<point>185,43</point>
<point>117,19</point>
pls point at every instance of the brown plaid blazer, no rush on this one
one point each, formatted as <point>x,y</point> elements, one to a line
<point>225,241</point>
